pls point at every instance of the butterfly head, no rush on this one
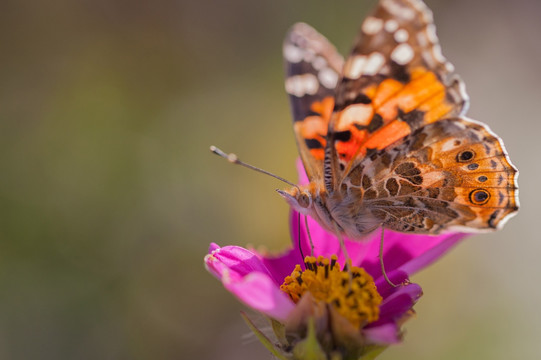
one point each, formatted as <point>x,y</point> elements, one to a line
<point>300,198</point>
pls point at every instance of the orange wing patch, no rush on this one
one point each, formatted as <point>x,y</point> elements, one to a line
<point>312,131</point>
<point>423,92</point>
<point>324,107</point>
<point>394,111</point>
<point>386,136</point>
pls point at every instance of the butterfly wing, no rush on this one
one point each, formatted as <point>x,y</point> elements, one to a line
<point>394,82</point>
<point>454,173</point>
<point>400,152</point>
<point>312,72</point>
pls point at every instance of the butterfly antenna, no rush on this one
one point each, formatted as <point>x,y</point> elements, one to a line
<point>232,158</point>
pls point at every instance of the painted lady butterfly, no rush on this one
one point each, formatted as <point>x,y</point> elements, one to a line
<point>383,136</point>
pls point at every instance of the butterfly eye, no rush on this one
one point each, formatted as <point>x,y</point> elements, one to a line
<point>304,200</point>
<point>465,156</point>
<point>479,196</point>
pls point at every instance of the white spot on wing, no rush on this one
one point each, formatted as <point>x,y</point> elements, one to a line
<point>300,85</point>
<point>426,14</point>
<point>391,25</point>
<point>374,64</point>
<point>436,50</point>
<point>372,25</point>
<point>319,63</point>
<point>309,55</point>
<point>448,145</point>
<point>292,53</point>
<point>433,177</point>
<point>328,78</point>
<point>363,65</point>
<point>397,10</point>
<point>401,35</point>
<point>431,33</point>
<point>354,66</point>
<point>355,114</point>
<point>402,54</point>
<point>422,39</point>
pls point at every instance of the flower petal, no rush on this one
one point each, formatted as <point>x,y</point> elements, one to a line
<point>243,274</point>
<point>383,335</point>
<point>422,260</point>
<point>303,178</point>
<point>239,261</point>
<point>282,265</point>
<point>259,292</point>
<point>213,246</point>
<point>408,252</point>
<point>396,277</point>
<point>400,301</point>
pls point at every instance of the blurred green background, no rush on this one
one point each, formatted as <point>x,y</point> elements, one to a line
<point>110,197</point>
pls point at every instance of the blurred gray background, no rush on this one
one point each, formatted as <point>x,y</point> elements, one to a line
<point>109,196</point>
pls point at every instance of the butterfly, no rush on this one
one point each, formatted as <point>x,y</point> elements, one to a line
<point>383,136</point>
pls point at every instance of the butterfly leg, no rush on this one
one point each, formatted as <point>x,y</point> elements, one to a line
<point>309,236</point>
<point>299,234</point>
<point>344,252</point>
<point>381,261</point>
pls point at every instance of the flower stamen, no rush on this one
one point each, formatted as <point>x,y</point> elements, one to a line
<point>357,301</point>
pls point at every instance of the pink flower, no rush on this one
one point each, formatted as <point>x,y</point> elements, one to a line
<point>255,279</point>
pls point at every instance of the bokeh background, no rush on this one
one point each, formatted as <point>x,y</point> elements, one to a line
<point>109,196</point>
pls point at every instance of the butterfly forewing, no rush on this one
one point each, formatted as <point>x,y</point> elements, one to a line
<point>395,81</point>
<point>312,73</point>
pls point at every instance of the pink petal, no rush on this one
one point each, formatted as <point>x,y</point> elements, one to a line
<point>396,277</point>
<point>238,261</point>
<point>282,266</point>
<point>303,178</point>
<point>447,241</point>
<point>260,292</point>
<point>243,274</point>
<point>383,335</point>
<point>408,252</point>
<point>400,301</point>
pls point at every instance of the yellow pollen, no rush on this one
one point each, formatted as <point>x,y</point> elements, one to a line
<point>357,301</point>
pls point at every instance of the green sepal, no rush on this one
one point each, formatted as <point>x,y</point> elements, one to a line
<point>280,332</point>
<point>309,348</point>
<point>264,340</point>
<point>372,352</point>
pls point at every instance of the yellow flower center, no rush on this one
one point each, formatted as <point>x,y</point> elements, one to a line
<point>357,300</point>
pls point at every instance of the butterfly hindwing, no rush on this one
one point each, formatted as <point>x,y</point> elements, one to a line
<point>452,173</point>
<point>312,72</point>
